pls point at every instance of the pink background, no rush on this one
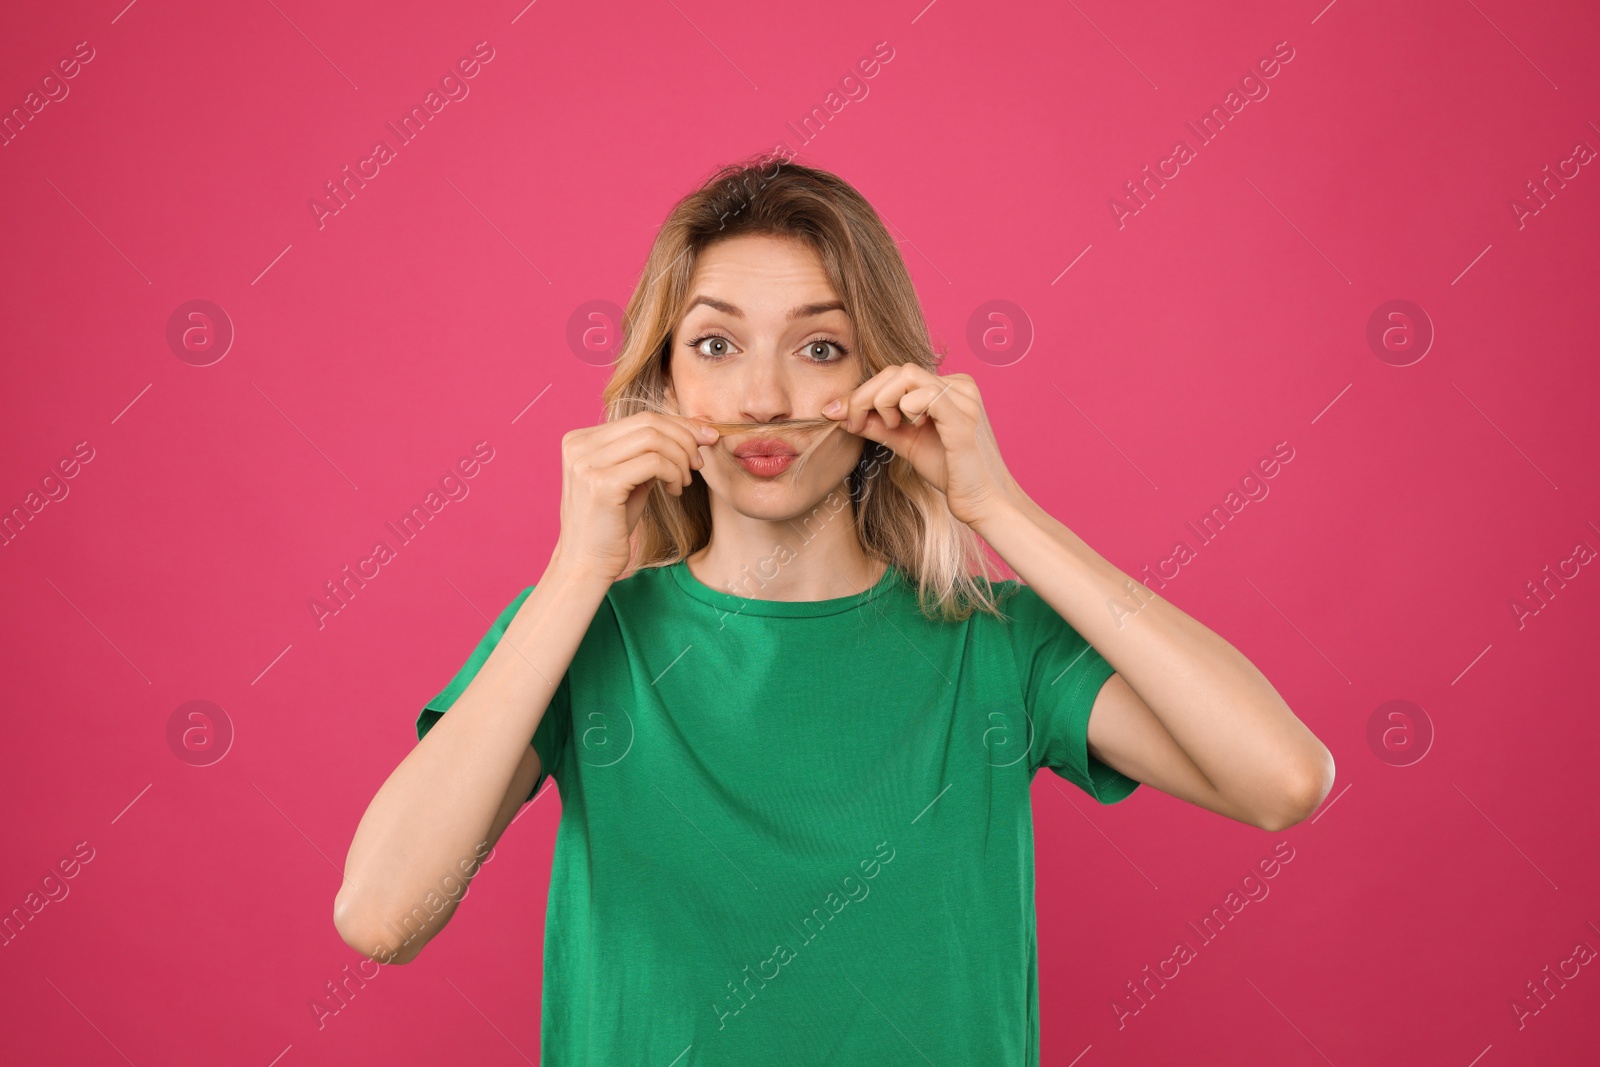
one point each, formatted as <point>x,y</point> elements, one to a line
<point>1227,315</point>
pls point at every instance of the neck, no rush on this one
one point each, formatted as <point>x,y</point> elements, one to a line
<point>815,555</point>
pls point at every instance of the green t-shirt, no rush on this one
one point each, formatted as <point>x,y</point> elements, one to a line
<point>800,832</point>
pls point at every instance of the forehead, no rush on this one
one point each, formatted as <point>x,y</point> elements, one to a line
<point>761,274</point>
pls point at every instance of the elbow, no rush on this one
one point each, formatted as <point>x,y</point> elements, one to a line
<point>1303,794</point>
<point>362,931</point>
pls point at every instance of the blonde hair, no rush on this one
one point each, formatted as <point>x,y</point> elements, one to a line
<point>899,516</point>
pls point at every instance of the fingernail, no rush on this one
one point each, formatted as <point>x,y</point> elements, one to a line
<point>834,408</point>
<point>708,433</point>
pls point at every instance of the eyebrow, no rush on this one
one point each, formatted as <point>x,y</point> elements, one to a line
<point>803,311</point>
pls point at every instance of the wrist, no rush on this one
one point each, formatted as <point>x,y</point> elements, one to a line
<point>1008,508</point>
<point>566,570</point>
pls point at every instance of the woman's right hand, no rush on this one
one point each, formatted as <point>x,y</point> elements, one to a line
<point>606,475</point>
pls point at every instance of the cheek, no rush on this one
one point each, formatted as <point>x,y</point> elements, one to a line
<point>830,463</point>
<point>686,400</point>
<point>695,396</point>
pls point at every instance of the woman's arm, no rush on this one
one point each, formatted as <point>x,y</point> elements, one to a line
<point>1189,714</point>
<point>434,820</point>
<point>443,808</point>
<point>1185,712</point>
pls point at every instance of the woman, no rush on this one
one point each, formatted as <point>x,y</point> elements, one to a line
<point>792,719</point>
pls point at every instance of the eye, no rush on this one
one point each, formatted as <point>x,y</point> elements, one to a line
<point>824,343</point>
<point>719,348</point>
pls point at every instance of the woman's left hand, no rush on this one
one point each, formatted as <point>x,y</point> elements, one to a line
<point>938,424</point>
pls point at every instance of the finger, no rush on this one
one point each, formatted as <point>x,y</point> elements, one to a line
<point>642,468</point>
<point>887,402</point>
<point>884,400</point>
<point>916,403</point>
<point>884,396</point>
<point>964,392</point>
<point>676,438</point>
<point>682,428</point>
<point>648,438</point>
<point>861,400</point>
<point>921,402</point>
<point>674,472</point>
<point>857,401</point>
<point>692,433</point>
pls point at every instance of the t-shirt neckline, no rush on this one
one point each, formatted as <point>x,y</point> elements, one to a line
<point>790,609</point>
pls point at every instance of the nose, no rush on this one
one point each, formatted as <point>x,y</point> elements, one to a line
<point>764,392</point>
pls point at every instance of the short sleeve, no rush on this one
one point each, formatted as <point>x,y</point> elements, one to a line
<point>1061,674</point>
<point>555,725</point>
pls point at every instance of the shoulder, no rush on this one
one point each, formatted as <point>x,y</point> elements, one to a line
<point>1003,594</point>
<point>648,580</point>
<point>648,589</point>
<point>1010,597</point>
<point>1027,619</point>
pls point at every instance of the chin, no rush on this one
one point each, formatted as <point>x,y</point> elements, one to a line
<point>780,501</point>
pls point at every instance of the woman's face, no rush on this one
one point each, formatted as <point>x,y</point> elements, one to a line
<point>763,340</point>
